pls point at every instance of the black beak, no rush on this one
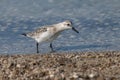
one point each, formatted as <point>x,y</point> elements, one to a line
<point>75,30</point>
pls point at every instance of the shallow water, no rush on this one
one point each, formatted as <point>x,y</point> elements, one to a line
<point>98,22</point>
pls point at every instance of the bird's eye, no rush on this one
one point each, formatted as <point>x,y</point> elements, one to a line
<point>68,24</point>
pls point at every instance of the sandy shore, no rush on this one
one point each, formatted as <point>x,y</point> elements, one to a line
<point>61,66</point>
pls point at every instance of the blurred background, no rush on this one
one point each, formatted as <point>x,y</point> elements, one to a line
<point>98,22</point>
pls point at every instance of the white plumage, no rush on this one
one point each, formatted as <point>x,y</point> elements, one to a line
<point>49,33</point>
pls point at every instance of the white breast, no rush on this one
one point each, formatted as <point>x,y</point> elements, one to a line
<point>43,37</point>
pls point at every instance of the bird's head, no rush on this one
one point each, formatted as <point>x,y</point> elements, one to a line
<point>68,25</point>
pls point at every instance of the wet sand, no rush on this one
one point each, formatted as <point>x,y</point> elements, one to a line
<point>61,66</point>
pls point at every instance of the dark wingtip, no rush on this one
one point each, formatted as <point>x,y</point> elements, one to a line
<point>24,34</point>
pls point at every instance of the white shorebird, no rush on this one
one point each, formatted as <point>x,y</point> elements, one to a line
<point>49,33</point>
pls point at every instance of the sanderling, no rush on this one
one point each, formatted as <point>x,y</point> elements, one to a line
<point>49,33</point>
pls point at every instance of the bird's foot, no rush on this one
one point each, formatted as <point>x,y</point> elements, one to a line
<point>52,51</point>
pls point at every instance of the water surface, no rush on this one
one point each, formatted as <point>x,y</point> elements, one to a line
<point>98,22</point>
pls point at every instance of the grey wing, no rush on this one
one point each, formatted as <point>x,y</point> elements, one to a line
<point>37,32</point>
<point>42,29</point>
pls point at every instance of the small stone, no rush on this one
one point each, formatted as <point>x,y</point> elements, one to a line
<point>93,75</point>
<point>18,65</point>
<point>75,75</point>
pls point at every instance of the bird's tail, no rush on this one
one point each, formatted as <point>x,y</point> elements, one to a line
<point>24,34</point>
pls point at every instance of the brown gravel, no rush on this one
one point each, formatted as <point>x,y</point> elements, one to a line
<point>61,66</point>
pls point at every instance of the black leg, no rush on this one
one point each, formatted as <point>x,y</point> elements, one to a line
<point>51,47</point>
<point>37,47</point>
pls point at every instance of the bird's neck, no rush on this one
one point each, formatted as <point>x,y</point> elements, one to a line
<point>59,27</point>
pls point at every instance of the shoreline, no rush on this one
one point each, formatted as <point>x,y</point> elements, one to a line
<point>61,66</point>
